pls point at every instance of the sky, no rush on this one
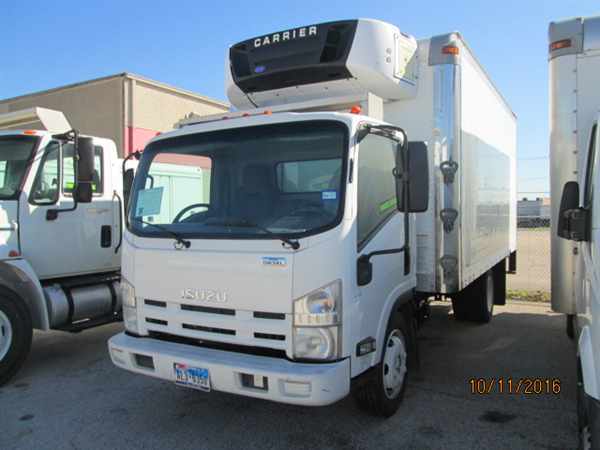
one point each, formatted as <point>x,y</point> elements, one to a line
<point>184,43</point>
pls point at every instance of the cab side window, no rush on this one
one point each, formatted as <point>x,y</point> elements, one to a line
<point>589,173</point>
<point>376,185</point>
<point>45,186</point>
<point>69,170</point>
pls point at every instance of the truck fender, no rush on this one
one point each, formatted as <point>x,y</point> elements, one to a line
<point>394,303</point>
<point>18,276</point>
<point>588,366</point>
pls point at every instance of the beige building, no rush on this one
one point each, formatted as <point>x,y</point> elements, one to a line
<point>126,108</point>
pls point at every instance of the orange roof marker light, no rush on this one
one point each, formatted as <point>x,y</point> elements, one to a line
<point>450,50</point>
<point>30,132</point>
<point>564,43</point>
<point>356,109</point>
<point>267,112</point>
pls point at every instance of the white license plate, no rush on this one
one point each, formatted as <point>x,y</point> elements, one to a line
<point>193,377</point>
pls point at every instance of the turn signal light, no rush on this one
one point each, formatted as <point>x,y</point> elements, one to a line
<point>564,43</point>
<point>356,109</point>
<point>450,50</point>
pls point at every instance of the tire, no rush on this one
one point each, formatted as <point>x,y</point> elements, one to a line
<point>570,326</point>
<point>475,303</point>
<point>383,390</point>
<point>499,272</point>
<point>16,332</point>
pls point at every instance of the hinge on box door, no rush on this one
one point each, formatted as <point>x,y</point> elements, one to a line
<point>448,216</point>
<point>448,169</point>
<point>449,265</point>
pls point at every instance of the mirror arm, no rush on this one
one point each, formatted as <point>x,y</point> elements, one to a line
<point>69,136</point>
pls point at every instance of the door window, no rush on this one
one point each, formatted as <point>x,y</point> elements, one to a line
<point>376,185</point>
<point>69,170</point>
<point>45,186</point>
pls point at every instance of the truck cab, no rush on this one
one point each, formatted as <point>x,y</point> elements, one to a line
<point>278,259</point>
<point>60,226</point>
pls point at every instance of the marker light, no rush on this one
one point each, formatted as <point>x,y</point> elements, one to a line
<point>356,109</point>
<point>564,43</point>
<point>13,254</point>
<point>30,132</point>
<point>267,112</point>
<point>246,115</point>
<point>450,50</point>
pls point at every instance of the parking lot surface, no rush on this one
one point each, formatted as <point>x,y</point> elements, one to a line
<point>69,396</point>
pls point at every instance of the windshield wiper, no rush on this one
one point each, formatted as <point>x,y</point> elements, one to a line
<point>293,243</point>
<point>176,236</point>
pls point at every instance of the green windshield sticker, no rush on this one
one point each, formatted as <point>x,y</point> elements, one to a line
<point>148,202</point>
<point>388,204</point>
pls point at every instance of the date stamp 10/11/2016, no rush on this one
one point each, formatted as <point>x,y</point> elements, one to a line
<point>509,385</point>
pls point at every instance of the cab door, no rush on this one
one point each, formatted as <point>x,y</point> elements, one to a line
<point>380,226</point>
<point>79,240</point>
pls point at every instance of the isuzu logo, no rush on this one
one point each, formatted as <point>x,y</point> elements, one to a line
<point>290,35</point>
<point>204,295</point>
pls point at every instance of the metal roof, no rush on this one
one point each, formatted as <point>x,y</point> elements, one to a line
<point>131,76</point>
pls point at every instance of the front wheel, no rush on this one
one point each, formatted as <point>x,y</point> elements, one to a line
<point>383,392</point>
<point>15,337</point>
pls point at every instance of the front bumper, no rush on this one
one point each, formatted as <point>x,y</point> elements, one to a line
<point>288,382</point>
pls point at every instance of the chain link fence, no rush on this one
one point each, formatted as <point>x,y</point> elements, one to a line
<point>532,280</point>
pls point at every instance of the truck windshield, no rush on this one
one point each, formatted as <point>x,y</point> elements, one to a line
<point>15,155</point>
<point>273,181</point>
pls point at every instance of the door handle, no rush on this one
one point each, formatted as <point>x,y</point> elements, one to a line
<point>105,236</point>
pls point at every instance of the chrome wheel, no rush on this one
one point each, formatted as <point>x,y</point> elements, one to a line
<point>6,335</point>
<point>394,364</point>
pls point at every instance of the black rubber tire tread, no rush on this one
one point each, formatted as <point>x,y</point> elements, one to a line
<point>499,274</point>
<point>22,329</point>
<point>370,396</point>
<point>470,304</point>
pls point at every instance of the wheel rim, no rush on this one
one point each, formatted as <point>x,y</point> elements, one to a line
<point>394,364</point>
<point>489,291</point>
<point>6,334</point>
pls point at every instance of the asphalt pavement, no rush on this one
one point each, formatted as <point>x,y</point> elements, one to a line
<point>70,396</point>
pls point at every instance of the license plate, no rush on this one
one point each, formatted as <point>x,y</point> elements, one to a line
<point>193,377</point>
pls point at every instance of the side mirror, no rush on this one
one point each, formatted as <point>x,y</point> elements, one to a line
<point>418,177</point>
<point>573,221</point>
<point>85,170</point>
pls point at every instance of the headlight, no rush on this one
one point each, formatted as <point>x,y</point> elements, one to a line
<point>129,307</point>
<point>320,307</point>
<point>317,323</point>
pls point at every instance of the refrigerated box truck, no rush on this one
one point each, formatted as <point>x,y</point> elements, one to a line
<point>364,173</point>
<point>574,62</point>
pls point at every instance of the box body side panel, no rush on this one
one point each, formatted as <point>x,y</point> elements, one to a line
<point>487,174</point>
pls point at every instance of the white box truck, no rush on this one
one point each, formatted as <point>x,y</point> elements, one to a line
<point>575,222</point>
<point>364,173</point>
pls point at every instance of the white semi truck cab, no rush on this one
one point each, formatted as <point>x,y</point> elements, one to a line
<point>295,273</point>
<point>60,231</point>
